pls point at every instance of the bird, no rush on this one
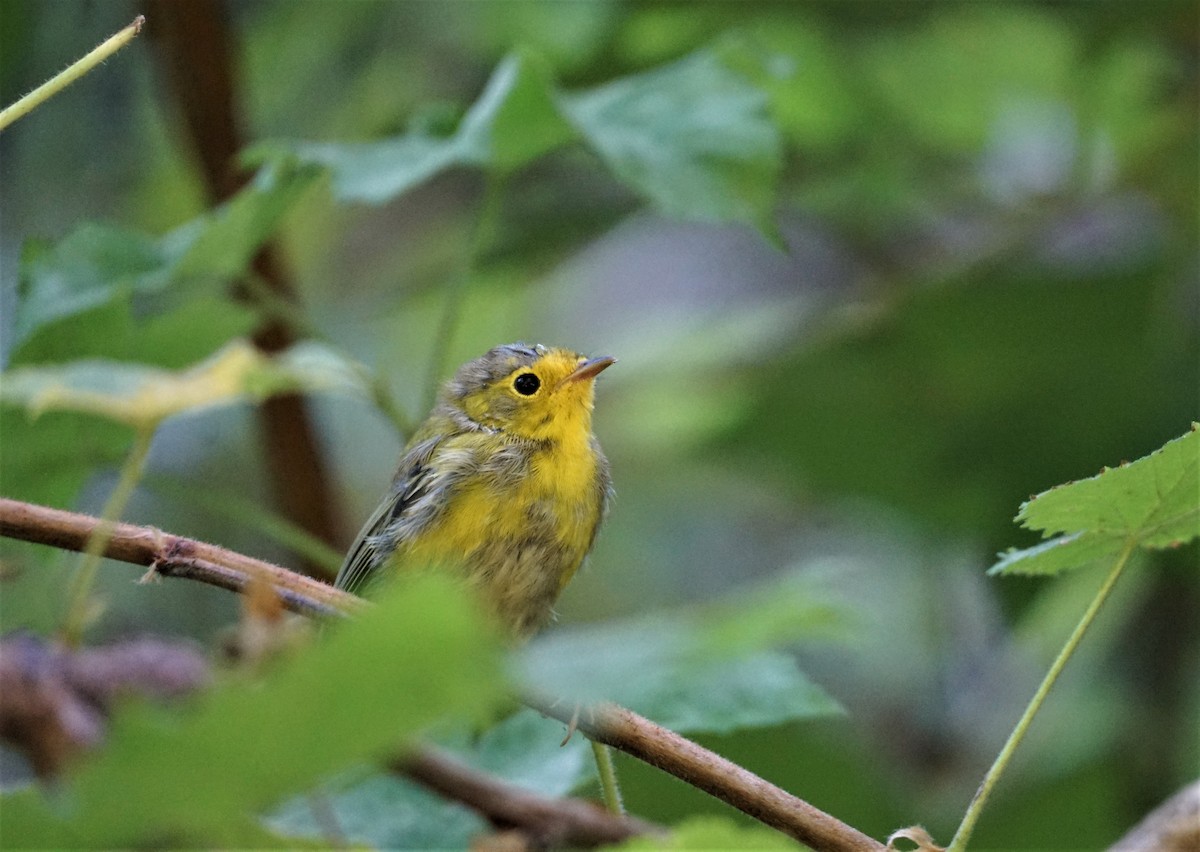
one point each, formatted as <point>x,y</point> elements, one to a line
<point>504,482</point>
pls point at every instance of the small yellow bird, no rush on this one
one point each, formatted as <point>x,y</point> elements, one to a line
<point>504,480</point>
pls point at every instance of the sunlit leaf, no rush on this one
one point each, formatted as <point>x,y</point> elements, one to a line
<point>140,395</point>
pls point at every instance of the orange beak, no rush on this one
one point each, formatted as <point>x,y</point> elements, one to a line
<point>590,368</point>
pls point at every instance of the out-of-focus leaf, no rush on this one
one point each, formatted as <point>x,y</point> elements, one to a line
<point>514,121</point>
<point>97,264</point>
<point>526,749</point>
<point>697,670</point>
<point>390,812</point>
<point>47,461</point>
<point>383,811</point>
<point>693,137</point>
<point>139,395</point>
<point>713,833</point>
<point>1152,503</point>
<point>196,778</point>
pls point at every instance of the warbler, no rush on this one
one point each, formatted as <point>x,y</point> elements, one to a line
<point>504,481</point>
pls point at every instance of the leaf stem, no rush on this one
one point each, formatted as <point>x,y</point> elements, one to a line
<point>70,74</point>
<point>967,826</point>
<point>610,789</point>
<point>78,609</point>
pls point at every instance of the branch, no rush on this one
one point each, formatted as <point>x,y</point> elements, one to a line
<point>548,823</point>
<point>1173,826</point>
<point>172,556</point>
<point>662,748</point>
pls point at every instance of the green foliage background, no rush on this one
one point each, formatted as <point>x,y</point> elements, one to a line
<point>875,273</point>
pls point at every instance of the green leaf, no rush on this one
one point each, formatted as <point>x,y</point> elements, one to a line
<point>1151,503</point>
<point>97,265</point>
<point>48,461</point>
<point>389,812</point>
<point>196,778</point>
<point>139,395</point>
<point>383,811</point>
<point>703,669</point>
<point>514,121</point>
<point>693,137</point>
<point>705,833</point>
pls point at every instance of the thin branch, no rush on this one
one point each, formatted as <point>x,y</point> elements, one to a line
<point>637,736</point>
<point>552,823</point>
<point>60,81</point>
<point>172,556</point>
<point>605,723</point>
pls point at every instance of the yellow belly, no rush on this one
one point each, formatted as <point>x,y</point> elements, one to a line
<point>519,541</point>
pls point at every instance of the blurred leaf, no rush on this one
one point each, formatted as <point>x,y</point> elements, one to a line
<point>1153,502</point>
<point>139,395</point>
<point>196,778</point>
<point>799,67</point>
<point>514,121</point>
<point>700,669</point>
<point>92,266</point>
<point>705,833</point>
<point>49,460</point>
<point>383,811</point>
<point>526,749</point>
<point>693,137</point>
<point>97,265</point>
<point>390,812</point>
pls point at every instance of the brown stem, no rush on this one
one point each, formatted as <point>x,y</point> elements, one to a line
<point>639,737</point>
<point>197,52</point>
<point>171,556</point>
<point>548,823</point>
<point>604,723</point>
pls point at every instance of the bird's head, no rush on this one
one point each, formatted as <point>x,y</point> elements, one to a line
<point>533,392</point>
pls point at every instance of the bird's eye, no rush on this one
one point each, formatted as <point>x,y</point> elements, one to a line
<point>526,384</point>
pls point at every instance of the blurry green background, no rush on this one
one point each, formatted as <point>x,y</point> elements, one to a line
<point>984,284</point>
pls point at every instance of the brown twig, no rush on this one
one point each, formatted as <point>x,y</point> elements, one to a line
<point>609,724</point>
<point>552,823</point>
<point>638,736</point>
<point>172,556</point>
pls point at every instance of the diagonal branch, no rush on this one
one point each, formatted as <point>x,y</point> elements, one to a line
<point>548,823</point>
<point>606,723</point>
<point>637,736</point>
<point>171,556</point>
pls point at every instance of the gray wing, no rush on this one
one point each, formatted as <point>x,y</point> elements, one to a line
<point>385,529</point>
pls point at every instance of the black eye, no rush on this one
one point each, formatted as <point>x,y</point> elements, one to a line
<point>526,384</point>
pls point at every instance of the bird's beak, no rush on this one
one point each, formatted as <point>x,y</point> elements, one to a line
<point>590,368</point>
